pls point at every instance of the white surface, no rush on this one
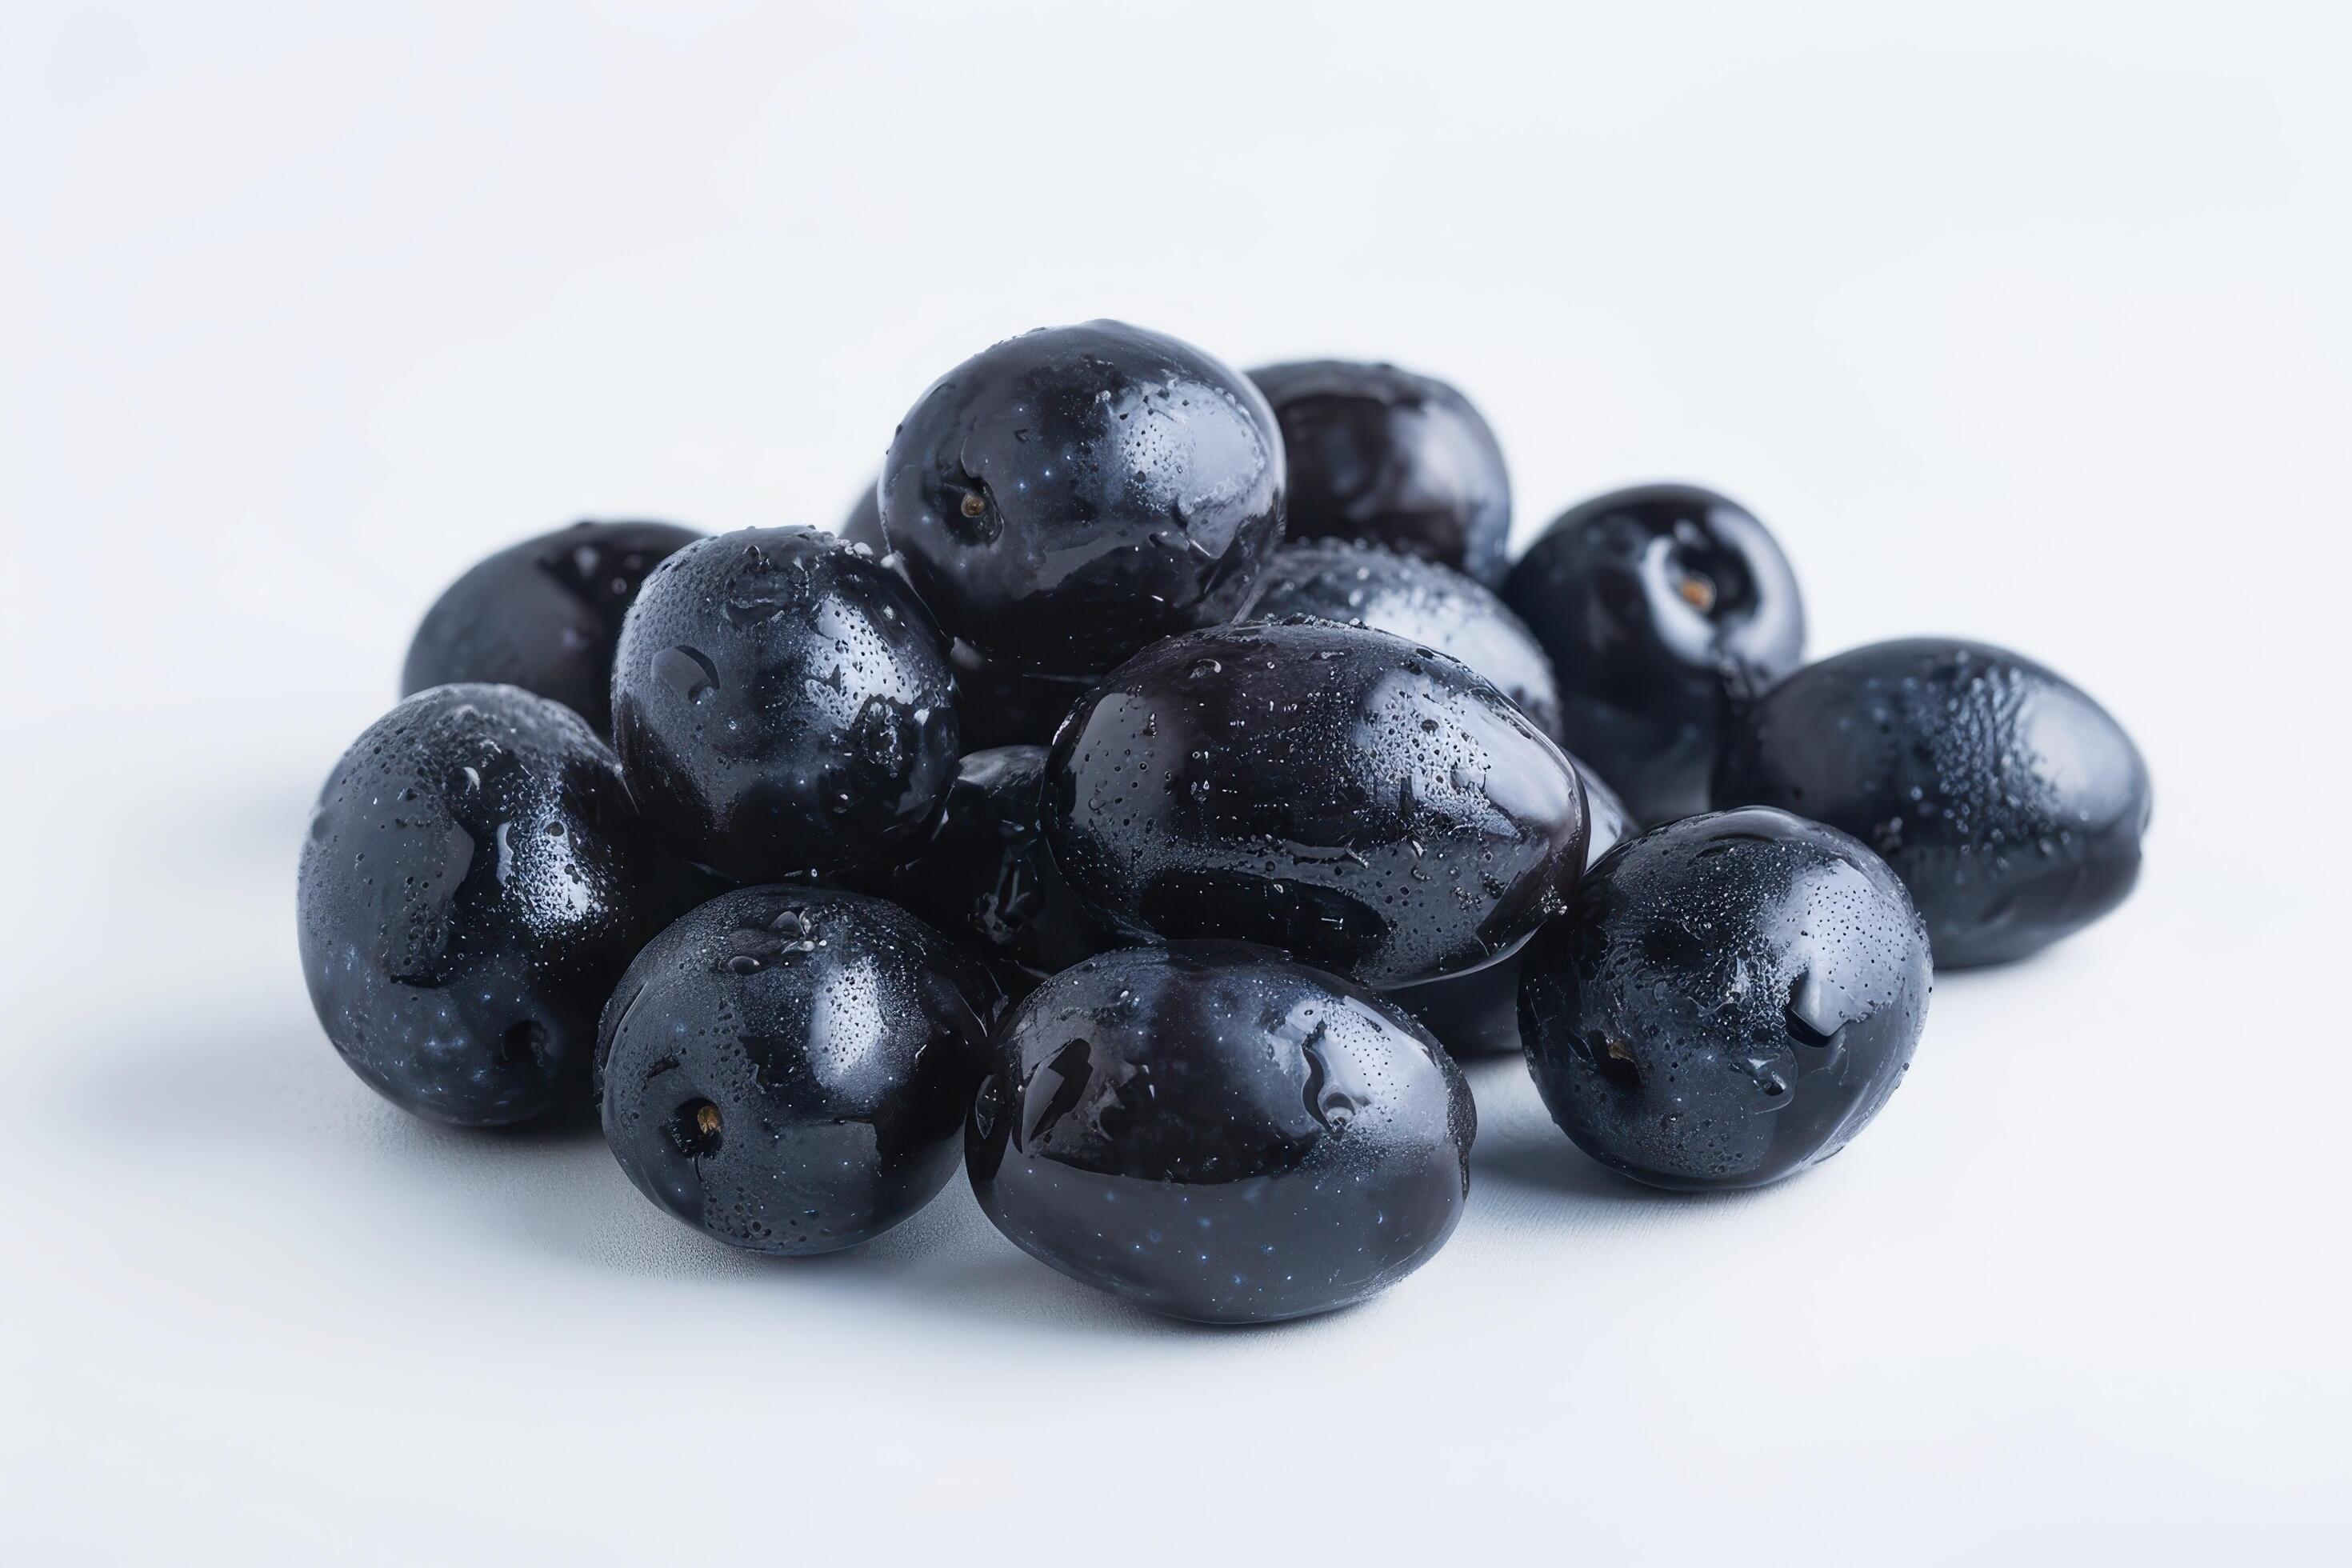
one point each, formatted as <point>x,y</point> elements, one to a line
<point>2026,322</point>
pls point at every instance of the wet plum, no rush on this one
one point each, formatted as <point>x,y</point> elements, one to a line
<point>1436,607</point>
<point>1385,457</point>
<point>1477,1014</point>
<point>2011,803</point>
<point>1366,802</point>
<point>788,1069</point>
<point>1071,495</point>
<point>782,704</point>
<point>1729,999</point>
<point>469,890</point>
<point>1650,600</point>
<point>544,615</point>
<point>1216,1133</point>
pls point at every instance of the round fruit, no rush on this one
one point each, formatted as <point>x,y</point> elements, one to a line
<point>788,1068</point>
<point>544,615</point>
<point>1383,455</point>
<point>1367,803</point>
<point>469,893</point>
<point>1649,601</point>
<point>2009,802</point>
<point>1000,705</point>
<point>1477,1014</point>
<point>1069,496</point>
<point>1730,999</point>
<point>1216,1133</point>
<point>1436,607</point>
<point>983,876</point>
<point>782,704</point>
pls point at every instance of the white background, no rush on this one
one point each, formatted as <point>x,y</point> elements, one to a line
<point>2026,322</point>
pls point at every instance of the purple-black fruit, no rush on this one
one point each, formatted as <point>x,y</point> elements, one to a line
<point>544,615</point>
<point>1729,999</point>
<point>1071,495</point>
<point>1652,603</point>
<point>1385,457</point>
<point>1365,803</point>
<point>471,886</point>
<point>782,705</point>
<point>1214,1132</point>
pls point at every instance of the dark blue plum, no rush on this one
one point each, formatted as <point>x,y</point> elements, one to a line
<point>1477,1014</point>
<point>1214,1132</point>
<point>471,886</point>
<point>1385,457</point>
<point>544,615</point>
<point>1365,803</point>
<point>999,704</point>
<point>1652,603</point>
<point>1418,600</point>
<point>1074,494</point>
<point>1730,998</point>
<point>788,1069</point>
<point>782,705</point>
<point>2011,803</point>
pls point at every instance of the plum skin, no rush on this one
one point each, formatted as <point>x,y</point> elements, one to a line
<point>1652,603</point>
<point>1729,999</point>
<point>1365,803</point>
<point>470,886</point>
<point>1419,600</point>
<point>1385,457</point>
<point>2011,803</point>
<point>782,705</point>
<point>787,1070</point>
<point>1218,1134</point>
<point>998,704</point>
<point>1477,1014</point>
<point>544,615</point>
<point>1071,495</point>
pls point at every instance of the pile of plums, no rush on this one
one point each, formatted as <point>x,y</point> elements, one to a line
<point>1148,793</point>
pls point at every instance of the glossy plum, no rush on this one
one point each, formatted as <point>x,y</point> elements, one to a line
<point>1214,1132</point>
<point>1367,803</point>
<point>1418,600</point>
<point>788,1069</point>
<point>1730,999</point>
<point>1650,603</point>
<point>469,890</point>
<point>2011,803</point>
<point>1385,457</point>
<point>544,615</point>
<point>1071,495</point>
<point>782,704</point>
<point>1477,1014</point>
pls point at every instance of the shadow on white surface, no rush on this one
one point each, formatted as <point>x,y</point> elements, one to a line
<point>220,1105</point>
